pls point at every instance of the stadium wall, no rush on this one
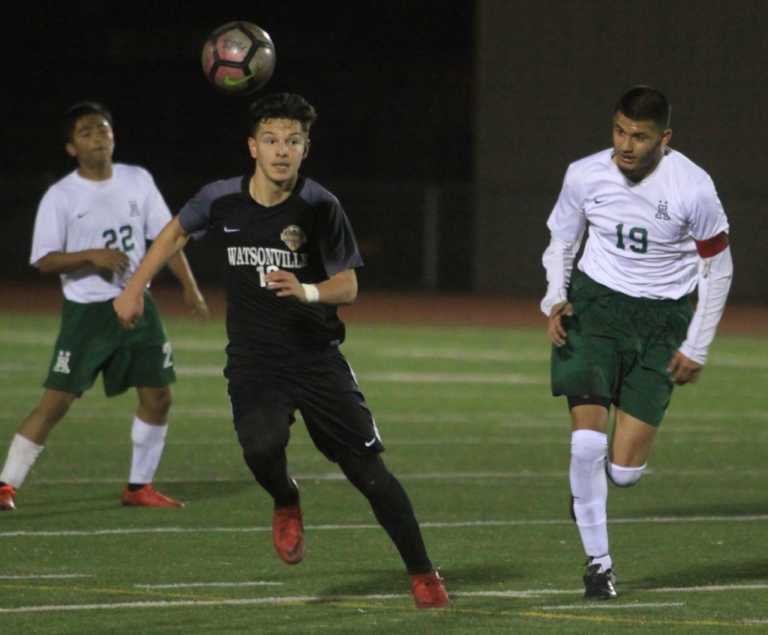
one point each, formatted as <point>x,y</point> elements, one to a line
<point>547,77</point>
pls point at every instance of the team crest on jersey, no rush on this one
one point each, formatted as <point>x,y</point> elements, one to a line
<point>134,208</point>
<point>294,237</point>
<point>62,362</point>
<point>661,211</point>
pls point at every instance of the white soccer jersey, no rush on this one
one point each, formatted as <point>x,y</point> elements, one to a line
<point>76,214</point>
<point>641,236</point>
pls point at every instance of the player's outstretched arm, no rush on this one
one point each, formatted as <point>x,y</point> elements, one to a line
<point>129,305</point>
<point>340,288</point>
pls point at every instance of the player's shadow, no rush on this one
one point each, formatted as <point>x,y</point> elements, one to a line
<point>717,572</point>
<point>378,581</point>
<point>200,491</point>
<point>79,502</point>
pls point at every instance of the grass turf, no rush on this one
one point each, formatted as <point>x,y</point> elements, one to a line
<point>480,446</point>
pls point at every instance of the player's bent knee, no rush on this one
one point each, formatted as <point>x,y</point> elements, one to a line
<point>156,402</point>
<point>623,476</point>
<point>258,439</point>
<point>589,445</point>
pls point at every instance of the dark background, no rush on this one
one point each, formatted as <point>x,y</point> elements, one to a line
<point>445,127</point>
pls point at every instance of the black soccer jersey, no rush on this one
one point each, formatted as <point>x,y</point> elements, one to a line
<point>308,234</point>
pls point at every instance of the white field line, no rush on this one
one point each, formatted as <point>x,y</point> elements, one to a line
<point>611,605</point>
<point>474,355</point>
<point>45,576</point>
<point>470,441</point>
<point>671,427</point>
<point>724,471</point>
<point>712,588</point>
<point>188,585</point>
<point>650,520</point>
<point>460,355</point>
<point>511,379</point>
<point>309,599</point>
<point>676,420</point>
<point>517,379</point>
<point>359,347</point>
<point>294,599</point>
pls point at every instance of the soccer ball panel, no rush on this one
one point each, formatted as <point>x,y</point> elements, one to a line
<point>238,58</point>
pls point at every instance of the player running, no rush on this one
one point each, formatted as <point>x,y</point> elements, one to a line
<point>290,256</point>
<point>622,326</point>
<point>91,228</point>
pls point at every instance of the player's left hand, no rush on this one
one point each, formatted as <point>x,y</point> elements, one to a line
<point>683,370</point>
<point>285,285</point>
<point>555,327</point>
<point>195,301</point>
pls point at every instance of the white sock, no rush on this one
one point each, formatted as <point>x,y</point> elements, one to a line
<point>148,443</point>
<point>589,486</point>
<point>605,562</point>
<point>21,457</point>
<point>624,476</point>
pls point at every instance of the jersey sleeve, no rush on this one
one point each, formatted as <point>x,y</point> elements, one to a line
<point>158,215</point>
<point>50,233</point>
<point>707,216</point>
<point>567,220</point>
<point>338,245</point>
<point>195,216</point>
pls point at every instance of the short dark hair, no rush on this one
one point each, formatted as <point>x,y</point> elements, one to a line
<point>281,106</point>
<point>643,103</point>
<point>81,109</point>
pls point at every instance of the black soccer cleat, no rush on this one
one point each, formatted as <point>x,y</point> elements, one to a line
<point>599,584</point>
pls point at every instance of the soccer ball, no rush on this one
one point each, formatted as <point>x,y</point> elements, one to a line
<point>238,58</point>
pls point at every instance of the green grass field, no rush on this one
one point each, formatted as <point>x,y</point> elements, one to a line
<point>480,446</point>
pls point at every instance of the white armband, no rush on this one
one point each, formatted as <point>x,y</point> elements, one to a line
<point>558,260</point>
<point>715,275</point>
<point>311,293</point>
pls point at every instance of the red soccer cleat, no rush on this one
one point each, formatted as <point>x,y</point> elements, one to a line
<point>7,498</point>
<point>148,496</point>
<point>429,591</point>
<point>288,534</point>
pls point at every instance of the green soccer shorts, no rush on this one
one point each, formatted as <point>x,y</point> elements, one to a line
<point>91,340</point>
<point>619,347</point>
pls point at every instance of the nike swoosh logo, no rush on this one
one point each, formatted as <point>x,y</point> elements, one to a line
<point>598,201</point>
<point>83,214</point>
<point>237,81</point>
<point>231,230</point>
<point>368,444</point>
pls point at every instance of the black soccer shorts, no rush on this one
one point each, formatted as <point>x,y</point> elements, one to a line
<point>322,387</point>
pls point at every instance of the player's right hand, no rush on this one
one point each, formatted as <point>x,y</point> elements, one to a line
<point>129,308</point>
<point>110,260</point>
<point>555,328</point>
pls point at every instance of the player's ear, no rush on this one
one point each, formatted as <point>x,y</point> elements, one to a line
<point>253,148</point>
<point>306,149</point>
<point>70,148</point>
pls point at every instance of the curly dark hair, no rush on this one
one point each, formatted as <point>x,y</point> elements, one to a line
<point>281,106</point>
